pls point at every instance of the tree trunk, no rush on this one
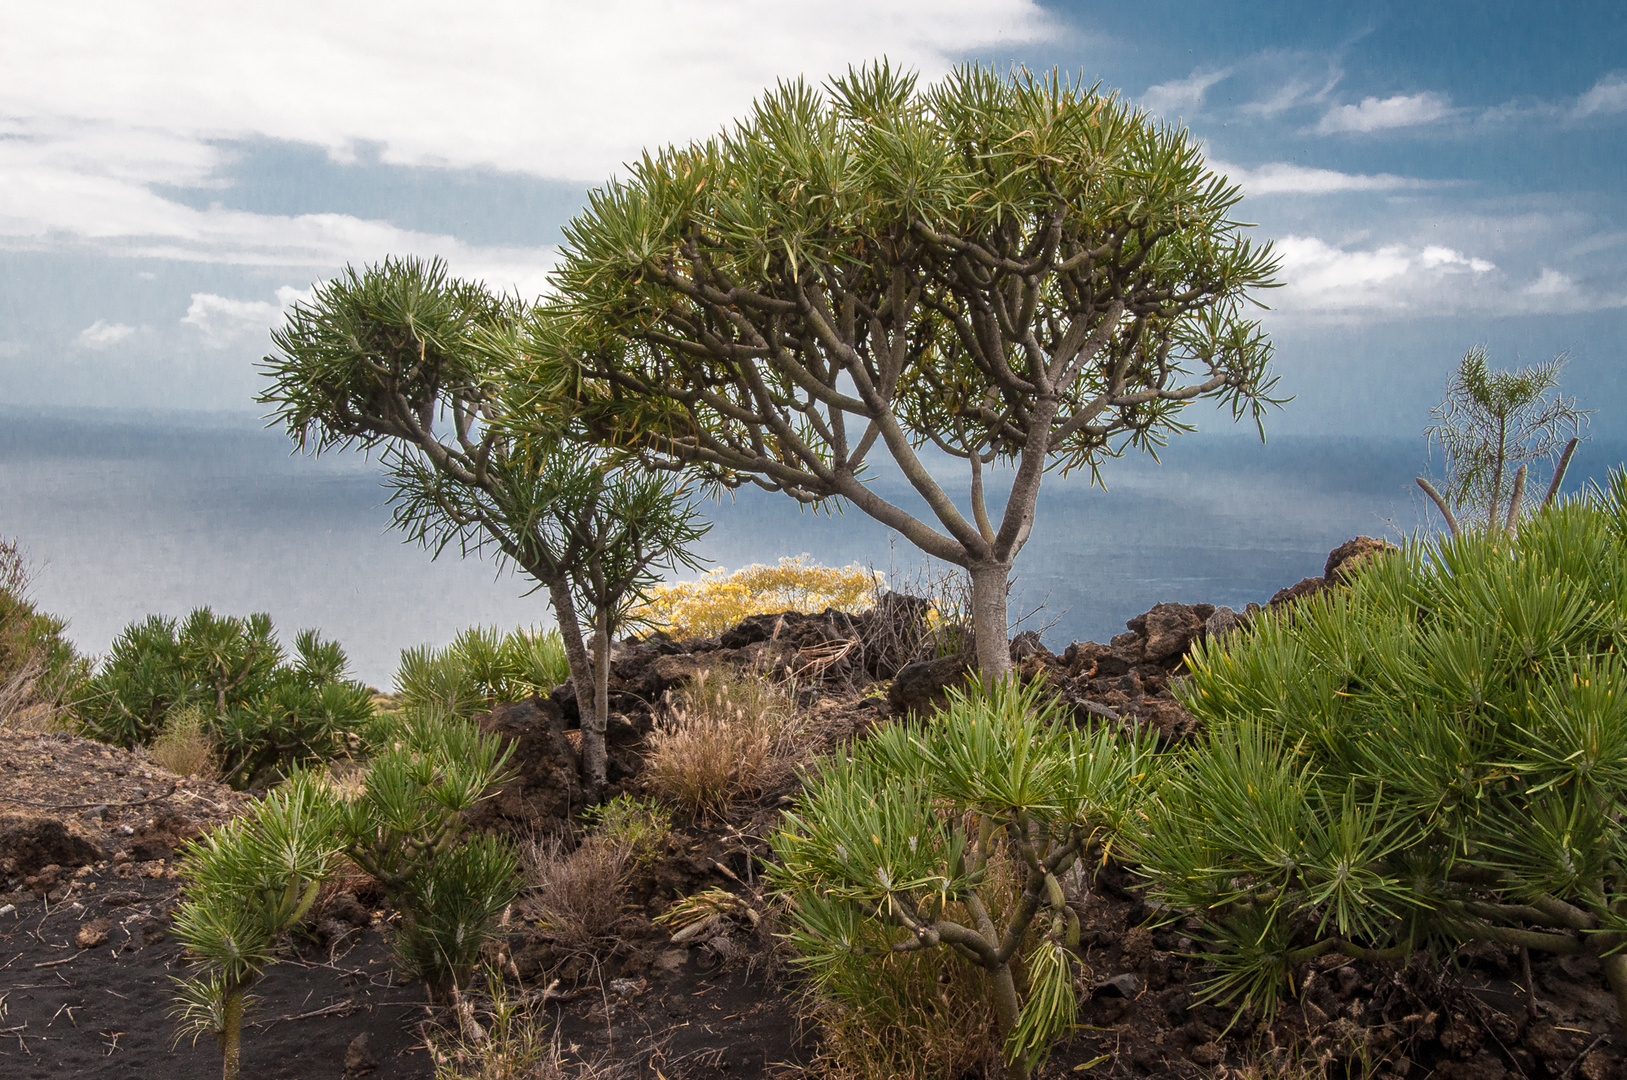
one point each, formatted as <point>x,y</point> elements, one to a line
<point>231,1033</point>
<point>1007,1012</point>
<point>989,620</point>
<point>1615,971</point>
<point>593,727</point>
<point>576,653</point>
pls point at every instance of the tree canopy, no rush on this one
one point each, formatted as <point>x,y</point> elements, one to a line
<point>1018,270</point>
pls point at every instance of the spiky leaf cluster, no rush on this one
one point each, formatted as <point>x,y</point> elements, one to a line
<point>248,882</point>
<point>407,829</point>
<point>1434,755</point>
<point>888,850</point>
<point>267,712</point>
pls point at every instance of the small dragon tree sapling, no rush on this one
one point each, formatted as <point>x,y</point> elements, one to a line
<point>248,882</point>
<point>406,830</point>
<point>625,523</point>
<point>1493,421</point>
<point>886,848</point>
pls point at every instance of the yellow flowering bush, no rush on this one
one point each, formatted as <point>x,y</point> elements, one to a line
<point>721,599</point>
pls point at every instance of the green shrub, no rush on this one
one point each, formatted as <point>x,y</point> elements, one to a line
<point>248,882</point>
<point>39,667</point>
<point>267,714</point>
<point>480,668</point>
<point>1437,755</point>
<point>406,830</point>
<point>887,848</point>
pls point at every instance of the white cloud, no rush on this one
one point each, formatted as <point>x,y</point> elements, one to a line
<point>102,334</point>
<point>1436,256</point>
<point>1375,114</point>
<point>1608,95</point>
<point>1401,280</point>
<point>1283,178</point>
<point>223,321</point>
<point>1551,283</point>
<point>8,349</point>
<point>104,105</point>
<point>554,88</point>
<point>1187,93</point>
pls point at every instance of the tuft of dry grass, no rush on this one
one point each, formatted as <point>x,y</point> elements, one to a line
<point>512,1044</point>
<point>22,705</point>
<point>184,746</point>
<point>725,740</point>
<point>576,894</point>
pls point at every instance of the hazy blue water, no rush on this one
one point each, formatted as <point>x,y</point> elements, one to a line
<point>130,514</point>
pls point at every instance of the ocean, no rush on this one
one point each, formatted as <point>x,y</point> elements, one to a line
<point>124,514</point>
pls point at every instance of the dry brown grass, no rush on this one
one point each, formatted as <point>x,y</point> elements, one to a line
<point>22,705</point>
<point>725,741</point>
<point>576,895</point>
<point>514,1045</point>
<point>184,746</point>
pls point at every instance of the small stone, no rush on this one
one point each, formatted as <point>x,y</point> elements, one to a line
<point>627,988</point>
<point>358,1059</point>
<point>1118,986</point>
<point>1208,1054</point>
<point>93,933</point>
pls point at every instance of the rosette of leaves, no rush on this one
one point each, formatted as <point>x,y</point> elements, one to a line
<point>301,714</point>
<point>407,829</point>
<point>249,882</point>
<point>1436,755</point>
<point>888,851</point>
<point>482,667</point>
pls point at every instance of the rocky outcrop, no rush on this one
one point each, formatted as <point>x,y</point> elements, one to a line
<point>924,686</point>
<point>543,789</point>
<point>1343,562</point>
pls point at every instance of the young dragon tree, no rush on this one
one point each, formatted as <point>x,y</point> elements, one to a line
<point>1493,421</point>
<point>405,358</point>
<point>248,883</point>
<point>1015,271</point>
<point>889,850</point>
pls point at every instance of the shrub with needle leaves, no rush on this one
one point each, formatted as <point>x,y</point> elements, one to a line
<point>406,830</point>
<point>248,883</point>
<point>1437,755</point>
<point>889,852</point>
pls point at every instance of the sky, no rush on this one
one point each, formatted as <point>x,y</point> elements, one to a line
<point>174,173</point>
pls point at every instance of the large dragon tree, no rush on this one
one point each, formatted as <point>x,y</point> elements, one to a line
<point>1016,271</point>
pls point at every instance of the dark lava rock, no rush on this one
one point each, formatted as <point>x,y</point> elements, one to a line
<point>1170,630</point>
<point>29,844</point>
<point>545,785</point>
<point>1298,591</point>
<point>1349,556</point>
<point>923,686</point>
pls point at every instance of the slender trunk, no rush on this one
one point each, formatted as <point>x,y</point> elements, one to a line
<point>231,1033</point>
<point>1559,472</point>
<point>576,653</point>
<point>1007,1012</point>
<point>989,620</point>
<point>593,727</point>
<point>1497,476</point>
